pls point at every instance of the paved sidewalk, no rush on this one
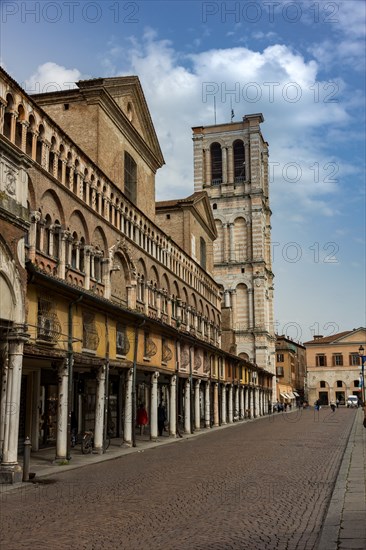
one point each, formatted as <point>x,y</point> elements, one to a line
<point>344,527</point>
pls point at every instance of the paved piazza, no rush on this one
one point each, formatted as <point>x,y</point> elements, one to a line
<point>256,485</point>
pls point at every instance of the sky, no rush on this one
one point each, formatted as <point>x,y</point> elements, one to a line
<point>300,63</point>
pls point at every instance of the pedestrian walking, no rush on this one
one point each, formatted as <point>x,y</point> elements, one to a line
<point>142,418</point>
<point>332,406</point>
<point>161,418</point>
<point>317,405</point>
<point>337,403</point>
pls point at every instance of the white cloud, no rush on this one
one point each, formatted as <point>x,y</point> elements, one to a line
<point>50,77</point>
<point>276,81</point>
<point>294,103</point>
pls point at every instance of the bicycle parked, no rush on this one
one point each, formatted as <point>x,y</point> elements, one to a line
<point>87,442</point>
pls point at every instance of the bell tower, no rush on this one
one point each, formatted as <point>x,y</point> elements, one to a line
<point>231,165</point>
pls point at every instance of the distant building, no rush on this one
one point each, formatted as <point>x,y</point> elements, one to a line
<point>290,370</point>
<point>333,366</point>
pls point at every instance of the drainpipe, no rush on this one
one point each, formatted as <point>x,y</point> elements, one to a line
<point>106,388</point>
<point>70,357</point>
<point>190,389</point>
<point>177,431</point>
<point>137,327</point>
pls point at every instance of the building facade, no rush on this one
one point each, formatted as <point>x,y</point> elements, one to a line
<point>231,165</point>
<point>101,309</point>
<point>334,366</point>
<point>290,371</point>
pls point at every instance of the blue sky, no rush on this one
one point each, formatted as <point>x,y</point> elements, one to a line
<point>300,63</point>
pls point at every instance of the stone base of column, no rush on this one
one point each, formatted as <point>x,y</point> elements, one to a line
<point>98,450</point>
<point>60,460</point>
<point>10,474</point>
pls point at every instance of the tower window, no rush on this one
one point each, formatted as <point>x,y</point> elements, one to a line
<point>239,161</point>
<point>216,164</point>
<point>214,206</point>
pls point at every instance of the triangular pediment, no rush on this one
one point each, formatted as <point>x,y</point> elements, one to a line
<point>353,337</point>
<point>201,205</point>
<point>129,96</point>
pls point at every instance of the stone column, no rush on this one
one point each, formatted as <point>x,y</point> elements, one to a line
<point>231,243</point>
<point>233,308</point>
<point>208,166</point>
<point>250,304</point>
<point>230,159</point>
<point>35,135</point>
<point>247,161</point>
<point>35,218</point>
<point>87,259</point>
<point>51,239</point>
<point>223,405</point>
<point>216,404</point>
<point>225,244</point>
<point>197,411</point>
<point>154,406</point>
<point>241,401</point>
<point>128,408</point>
<point>169,310</point>
<point>11,404</point>
<point>24,125</point>
<point>99,410</point>
<point>36,384</point>
<point>63,259</point>
<point>224,165</point>
<point>173,406</point>
<point>13,123</point>
<point>230,404</point>
<point>45,154</point>
<point>2,113</point>
<point>62,410</point>
<point>63,172</point>
<point>187,407</point>
<point>55,164</point>
<point>207,405</point>
<point>237,405</point>
<point>252,406</point>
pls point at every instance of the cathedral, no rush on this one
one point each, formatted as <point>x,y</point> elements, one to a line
<point>110,300</point>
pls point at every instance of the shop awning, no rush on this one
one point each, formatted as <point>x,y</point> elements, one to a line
<point>291,395</point>
<point>284,395</point>
<point>296,394</point>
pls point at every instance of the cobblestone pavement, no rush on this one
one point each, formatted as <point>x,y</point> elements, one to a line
<point>259,485</point>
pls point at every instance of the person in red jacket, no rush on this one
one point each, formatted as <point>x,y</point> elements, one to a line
<point>141,418</point>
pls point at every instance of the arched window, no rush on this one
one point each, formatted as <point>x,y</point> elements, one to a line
<point>29,139</point>
<point>19,127</point>
<point>75,244</point>
<point>48,236</point>
<point>97,264</point>
<point>81,254</point>
<point>8,115</point>
<point>216,164</point>
<point>39,144</point>
<point>130,174</point>
<point>239,161</point>
<point>56,239</point>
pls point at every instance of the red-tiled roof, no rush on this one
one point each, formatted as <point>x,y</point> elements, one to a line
<point>328,339</point>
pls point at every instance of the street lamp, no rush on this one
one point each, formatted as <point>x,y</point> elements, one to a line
<point>363,359</point>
